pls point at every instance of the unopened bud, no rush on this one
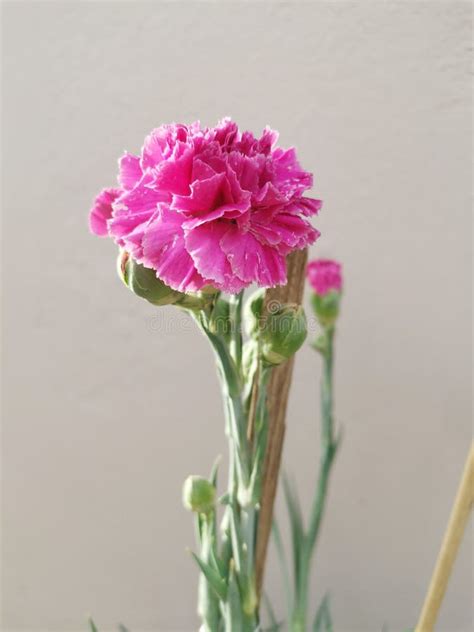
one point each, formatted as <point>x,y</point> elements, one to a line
<point>144,283</point>
<point>199,495</point>
<point>325,277</point>
<point>283,333</point>
<point>326,307</point>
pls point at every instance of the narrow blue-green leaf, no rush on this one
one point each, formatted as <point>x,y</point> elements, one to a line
<point>92,625</point>
<point>217,563</point>
<point>233,608</point>
<point>273,628</point>
<point>215,471</point>
<point>122,628</point>
<point>296,522</point>
<point>323,621</point>
<point>237,541</point>
<point>283,566</point>
<point>212,576</point>
<point>274,625</point>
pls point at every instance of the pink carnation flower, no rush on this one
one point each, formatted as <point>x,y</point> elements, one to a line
<point>209,206</point>
<point>324,275</point>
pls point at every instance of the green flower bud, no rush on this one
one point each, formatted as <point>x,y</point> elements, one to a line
<point>199,495</point>
<point>283,334</point>
<point>326,307</point>
<point>253,311</point>
<point>144,283</point>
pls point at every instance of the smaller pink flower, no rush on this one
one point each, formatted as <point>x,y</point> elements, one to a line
<point>324,275</point>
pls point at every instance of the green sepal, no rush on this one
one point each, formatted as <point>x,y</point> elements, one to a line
<point>326,307</point>
<point>321,344</point>
<point>213,577</point>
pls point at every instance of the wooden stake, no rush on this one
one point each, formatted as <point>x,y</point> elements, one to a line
<point>278,392</point>
<point>449,548</point>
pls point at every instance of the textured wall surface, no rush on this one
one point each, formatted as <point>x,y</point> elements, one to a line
<point>108,405</point>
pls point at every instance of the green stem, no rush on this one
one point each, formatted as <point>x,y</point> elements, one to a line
<point>245,461</point>
<point>208,603</point>
<point>236,344</point>
<point>328,451</point>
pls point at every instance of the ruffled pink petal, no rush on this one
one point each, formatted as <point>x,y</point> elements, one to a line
<point>288,230</point>
<point>120,224</point>
<point>132,242</point>
<point>144,197</point>
<point>269,196</point>
<point>247,169</point>
<point>252,261</point>
<point>205,196</point>
<point>164,250</point>
<point>224,133</point>
<point>267,141</point>
<point>306,206</point>
<point>289,177</point>
<point>102,211</point>
<point>203,244</point>
<point>201,170</point>
<point>154,147</point>
<point>175,175</point>
<point>130,171</point>
<point>324,275</point>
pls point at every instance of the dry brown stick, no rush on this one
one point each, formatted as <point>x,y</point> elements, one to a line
<point>278,392</point>
<point>452,539</point>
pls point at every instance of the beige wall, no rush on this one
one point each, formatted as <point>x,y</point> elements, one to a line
<point>108,405</point>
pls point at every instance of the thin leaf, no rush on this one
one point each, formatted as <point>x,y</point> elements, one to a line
<point>283,565</point>
<point>122,628</point>
<point>92,625</point>
<point>296,522</point>
<point>274,625</point>
<point>215,470</point>
<point>237,542</point>
<point>212,576</point>
<point>233,607</point>
<point>217,563</point>
<point>322,621</point>
<point>273,628</point>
